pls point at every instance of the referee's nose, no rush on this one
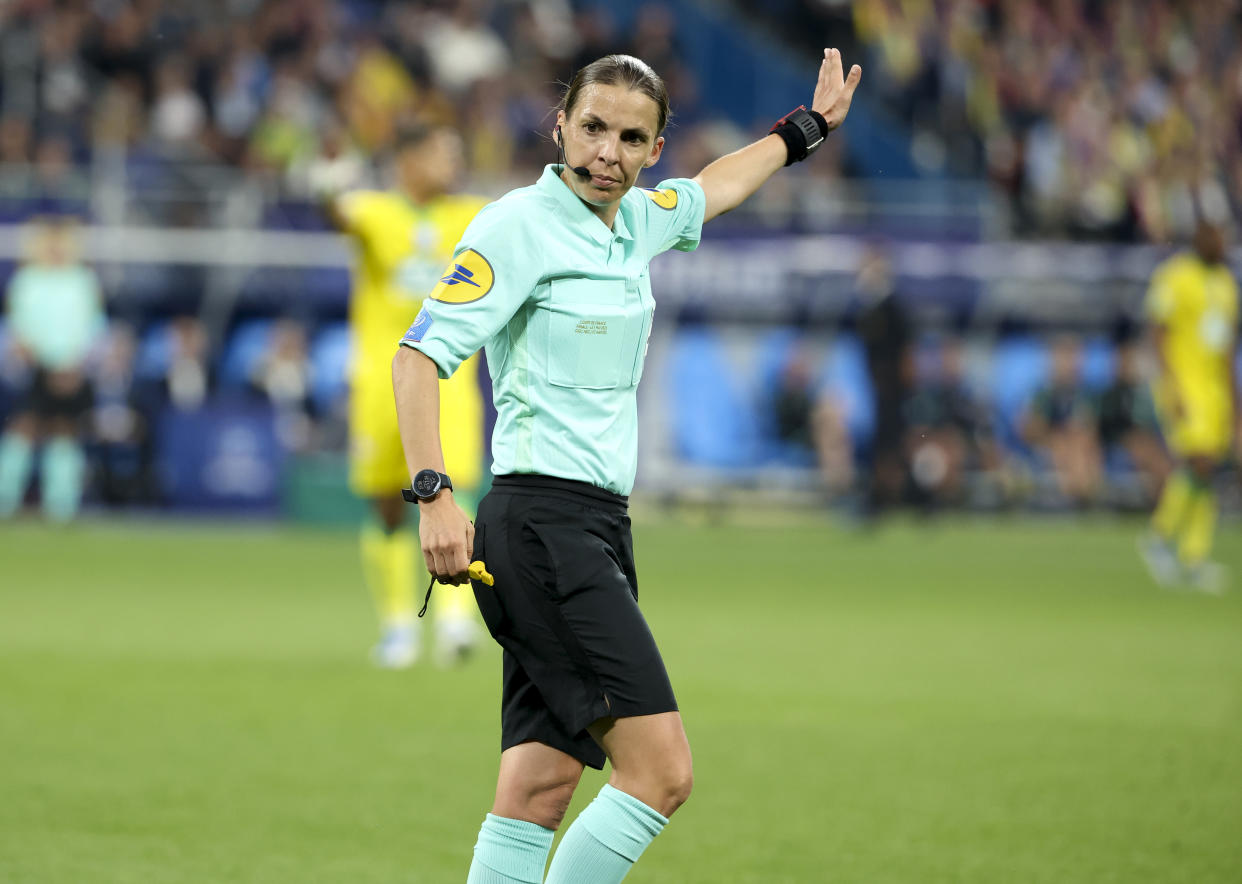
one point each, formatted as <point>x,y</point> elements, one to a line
<point>610,149</point>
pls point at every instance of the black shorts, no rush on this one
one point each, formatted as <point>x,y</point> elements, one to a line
<point>44,402</point>
<point>565,610</point>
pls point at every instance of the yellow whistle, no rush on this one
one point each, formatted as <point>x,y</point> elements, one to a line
<point>478,571</point>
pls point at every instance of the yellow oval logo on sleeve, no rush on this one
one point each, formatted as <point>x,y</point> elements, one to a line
<point>665,199</point>
<point>467,278</point>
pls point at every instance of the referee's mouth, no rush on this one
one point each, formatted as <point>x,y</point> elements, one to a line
<point>604,182</point>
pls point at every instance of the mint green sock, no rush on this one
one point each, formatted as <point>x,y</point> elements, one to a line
<point>64,470</point>
<point>605,840</point>
<point>510,852</point>
<point>16,458</point>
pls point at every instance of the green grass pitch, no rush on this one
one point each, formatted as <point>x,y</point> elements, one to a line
<point>966,702</point>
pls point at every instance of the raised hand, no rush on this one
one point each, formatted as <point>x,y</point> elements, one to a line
<point>833,91</point>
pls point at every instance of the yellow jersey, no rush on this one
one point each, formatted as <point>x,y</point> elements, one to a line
<point>402,250</point>
<point>1197,304</point>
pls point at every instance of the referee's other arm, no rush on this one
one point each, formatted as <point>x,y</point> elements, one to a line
<point>444,530</point>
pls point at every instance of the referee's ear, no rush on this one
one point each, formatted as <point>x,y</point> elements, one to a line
<point>655,152</point>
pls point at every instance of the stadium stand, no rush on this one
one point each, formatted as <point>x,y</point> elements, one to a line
<point>981,125</point>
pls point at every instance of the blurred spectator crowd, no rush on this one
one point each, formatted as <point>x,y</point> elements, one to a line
<point>1117,120</point>
<point>1095,119</point>
<point>301,93</point>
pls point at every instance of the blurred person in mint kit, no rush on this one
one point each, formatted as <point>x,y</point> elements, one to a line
<point>553,280</point>
<point>55,317</point>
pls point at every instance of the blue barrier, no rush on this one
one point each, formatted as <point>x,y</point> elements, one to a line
<point>220,458</point>
<point>844,375</point>
<point>243,350</point>
<point>713,422</point>
<point>329,354</point>
<point>154,350</point>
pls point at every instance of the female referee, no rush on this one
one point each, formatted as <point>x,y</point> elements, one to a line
<point>553,280</point>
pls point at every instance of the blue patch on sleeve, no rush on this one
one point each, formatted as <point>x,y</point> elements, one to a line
<point>419,328</point>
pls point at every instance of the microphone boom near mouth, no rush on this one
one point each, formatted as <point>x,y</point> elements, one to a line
<point>581,171</point>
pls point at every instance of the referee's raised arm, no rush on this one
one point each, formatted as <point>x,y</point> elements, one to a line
<point>728,181</point>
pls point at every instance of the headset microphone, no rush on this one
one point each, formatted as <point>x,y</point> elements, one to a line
<point>582,171</point>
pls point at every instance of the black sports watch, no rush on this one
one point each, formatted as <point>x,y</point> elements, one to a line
<point>426,485</point>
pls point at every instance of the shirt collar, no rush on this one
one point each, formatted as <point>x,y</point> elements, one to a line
<point>576,210</point>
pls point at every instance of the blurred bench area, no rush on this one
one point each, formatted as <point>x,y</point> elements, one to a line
<point>817,368</point>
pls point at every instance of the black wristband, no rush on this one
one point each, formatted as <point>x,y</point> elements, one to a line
<point>802,131</point>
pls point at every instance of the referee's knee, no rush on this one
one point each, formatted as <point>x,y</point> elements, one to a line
<point>535,787</point>
<point>664,785</point>
<point>550,805</point>
<point>678,786</point>
<point>544,806</point>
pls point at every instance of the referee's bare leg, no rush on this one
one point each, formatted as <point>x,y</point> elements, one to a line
<point>535,784</point>
<point>650,758</point>
<point>649,755</point>
<point>532,795</point>
<point>652,775</point>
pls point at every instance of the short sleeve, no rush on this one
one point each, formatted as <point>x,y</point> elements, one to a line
<point>1161,295</point>
<point>674,211</point>
<point>495,269</point>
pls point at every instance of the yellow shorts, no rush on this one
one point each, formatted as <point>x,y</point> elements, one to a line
<point>377,465</point>
<point>1205,426</point>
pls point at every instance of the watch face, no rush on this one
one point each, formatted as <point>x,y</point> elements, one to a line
<point>426,483</point>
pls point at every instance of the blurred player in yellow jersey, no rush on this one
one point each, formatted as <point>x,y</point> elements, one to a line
<point>403,239</point>
<point>1193,309</point>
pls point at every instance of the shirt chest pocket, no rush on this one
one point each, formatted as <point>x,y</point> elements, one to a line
<point>595,329</point>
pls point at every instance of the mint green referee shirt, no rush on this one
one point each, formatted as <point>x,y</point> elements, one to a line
<point>56,312</point>
<point>563,307</point>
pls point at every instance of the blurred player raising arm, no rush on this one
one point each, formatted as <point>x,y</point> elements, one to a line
<point>403,238</point>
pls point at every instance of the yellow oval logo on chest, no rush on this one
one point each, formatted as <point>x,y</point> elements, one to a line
<point>665,199</point>
<point>467,278</point>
